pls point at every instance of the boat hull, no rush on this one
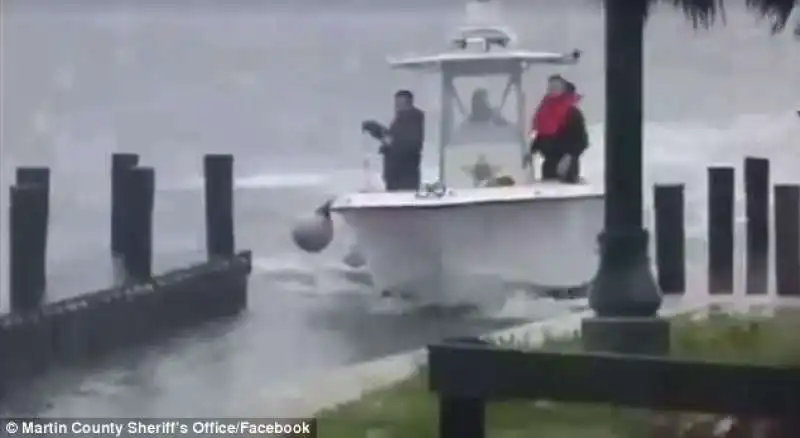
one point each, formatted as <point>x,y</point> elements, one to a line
<point>464,253</point>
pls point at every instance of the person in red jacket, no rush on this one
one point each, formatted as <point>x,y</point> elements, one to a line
<point>559,132</point>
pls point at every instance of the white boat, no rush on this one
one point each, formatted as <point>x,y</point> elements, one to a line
<point>457,241</point>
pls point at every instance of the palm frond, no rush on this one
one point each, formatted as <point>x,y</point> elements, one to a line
<point>778,11</point>
<point>703,13</point>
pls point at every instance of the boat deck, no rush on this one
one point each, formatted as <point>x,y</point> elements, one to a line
<point>539,191</point>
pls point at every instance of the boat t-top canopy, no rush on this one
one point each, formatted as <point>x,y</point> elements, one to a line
<point>482,64</point>
<point>482,51</point>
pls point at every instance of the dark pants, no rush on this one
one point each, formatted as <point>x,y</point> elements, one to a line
<point>401,171</point>
<point>550,168</point>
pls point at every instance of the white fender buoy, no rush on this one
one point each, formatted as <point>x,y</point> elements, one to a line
<point>315,233</point>
<point>354,258</point>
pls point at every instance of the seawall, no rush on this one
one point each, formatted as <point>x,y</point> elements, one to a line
<point>86,326</point>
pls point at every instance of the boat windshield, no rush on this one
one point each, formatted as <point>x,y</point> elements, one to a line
<point>484,121</point>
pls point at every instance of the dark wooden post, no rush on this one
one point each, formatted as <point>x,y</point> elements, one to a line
<point>39,176</point>
<point>721,184</point>
<point>120,164</point>
<point>35,175</point>
<point>27,250</point>
<point>461,417</point>
<point>670,238</point>
<point>787,239</point>
<point>756,185</point>
<point>218,172</point>
<point>139,223</point>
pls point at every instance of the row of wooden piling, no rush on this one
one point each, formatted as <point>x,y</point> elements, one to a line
<point>36,335</point>
<point>133,193</point>
<point>670,233</point>
<point>132,207</point>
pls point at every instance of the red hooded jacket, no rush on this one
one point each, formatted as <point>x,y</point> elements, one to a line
<point>552,114</point>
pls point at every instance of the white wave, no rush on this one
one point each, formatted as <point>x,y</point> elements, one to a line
<point>675,152</point>
<point>281,180</point>
<point>521,305</point>
<point>681,152</point>
<point>274,180</point>
<point>285,264</point>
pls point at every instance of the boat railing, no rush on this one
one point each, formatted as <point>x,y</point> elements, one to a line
<point>432,190</point>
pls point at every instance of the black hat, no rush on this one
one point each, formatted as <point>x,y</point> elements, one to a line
<point>404,93</point>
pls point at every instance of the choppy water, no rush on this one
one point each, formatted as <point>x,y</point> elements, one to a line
<point>284,87</point>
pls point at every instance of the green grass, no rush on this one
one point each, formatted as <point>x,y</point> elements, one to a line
<point>409,410</point>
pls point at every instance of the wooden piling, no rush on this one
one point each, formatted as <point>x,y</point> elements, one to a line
<point>138,245</point>
<point>39,176</point>
<point>721,185</point>
<point>756,184</point>
<point>670,238</point>
<point>218,172</point>
<point>35,175</point>
<point>787,239</point>
<point>120,164</point>
<point>27,253</point>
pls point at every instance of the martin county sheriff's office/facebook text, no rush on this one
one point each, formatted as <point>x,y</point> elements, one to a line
<point>120,427</point>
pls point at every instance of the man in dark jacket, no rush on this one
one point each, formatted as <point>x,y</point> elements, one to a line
<point>560,132</point>
<point>401,147</point>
